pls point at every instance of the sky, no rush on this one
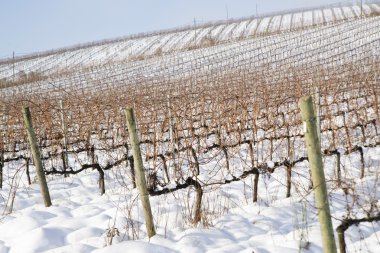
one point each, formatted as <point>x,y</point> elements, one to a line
<point>29,26</point>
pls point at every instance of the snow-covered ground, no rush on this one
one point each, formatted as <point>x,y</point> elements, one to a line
<point>79,219</point>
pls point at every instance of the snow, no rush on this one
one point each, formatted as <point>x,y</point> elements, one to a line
<point>263,25</point>
<point>356,10</point>
<point>241,28</point>
<point>308,18</point>
<point>297,20</point>
<point>286,22</point>
<point>275,23</point>
<point>338,13</point>
<point>318,17</point>
<point>354,38</point>
<point>367,10</point>
<point>133,246</point>
<point>227,32</point>
<point>150,45</point>
<point>347,11</point>
<point>79,217</point>
<point>375,7</point>
<point>251,28</point>
<point>329,15</point>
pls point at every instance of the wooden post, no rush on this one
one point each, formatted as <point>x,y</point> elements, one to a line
<point>36,156</point>
<point>318,176</point>
<point>132,166</point>
<point>65,159</point>
<point>139,170</point>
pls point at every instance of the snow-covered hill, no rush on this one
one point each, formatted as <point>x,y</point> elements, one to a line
<point>156,44</point>
<point>326,47</point>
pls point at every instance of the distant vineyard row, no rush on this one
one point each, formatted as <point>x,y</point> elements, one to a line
<point>166,42</point>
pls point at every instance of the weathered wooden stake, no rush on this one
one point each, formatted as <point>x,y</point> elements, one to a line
<point>132,167</point>
<point>36,156</point>
<point>139,170</point>
<point>318,176</point>
<point>65,159</point>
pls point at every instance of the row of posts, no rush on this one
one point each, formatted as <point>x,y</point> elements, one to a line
<point>138,164</point>
<point>312,138</point>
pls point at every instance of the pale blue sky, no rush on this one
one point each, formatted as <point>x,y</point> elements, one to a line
<point>36,25</point>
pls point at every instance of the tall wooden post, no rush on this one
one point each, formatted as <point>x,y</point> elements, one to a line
<point>139,170</point>
<point>36,156</point>
<point>65,159</point>
<point>318,176</point>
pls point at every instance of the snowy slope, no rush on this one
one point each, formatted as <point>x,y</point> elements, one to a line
<point>333,44</point>
<point>148,46</point>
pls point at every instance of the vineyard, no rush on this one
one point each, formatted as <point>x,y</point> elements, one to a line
<point>218,122</point>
